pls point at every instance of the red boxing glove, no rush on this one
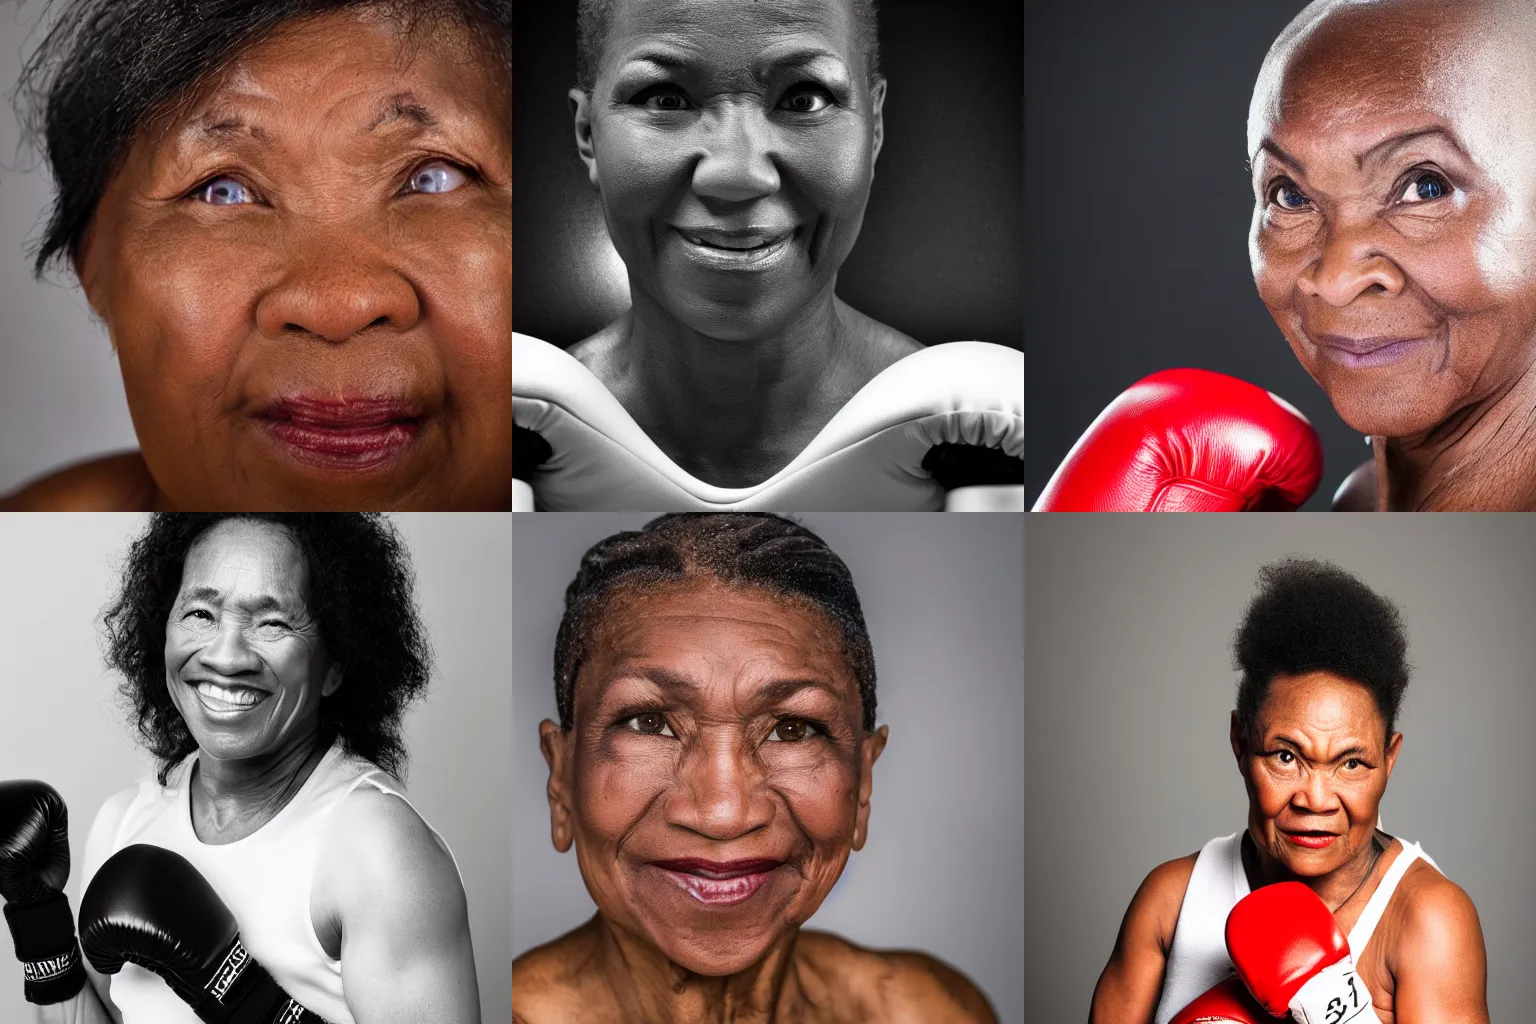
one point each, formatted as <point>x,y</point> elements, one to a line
<point>1290,953</point>
<point>1190,441</point>
<point>1227,1003</point>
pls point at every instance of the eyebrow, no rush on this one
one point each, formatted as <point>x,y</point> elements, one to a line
<point>219,127</point>
<point>800,58</point>
<point>768,693</point>
<point>215,596</point>
<point>1381,149</point>
<point>1341,755</point>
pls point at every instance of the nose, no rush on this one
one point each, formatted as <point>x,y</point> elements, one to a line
<point>1351,265</point>
<point>1314,795</point>
<point>720,791</point>
<point>228,654</point>
<point>736,164</point>
<point>337,283</point>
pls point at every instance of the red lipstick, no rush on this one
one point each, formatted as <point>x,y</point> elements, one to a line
<point>1310,840</point>
<point>349,433</point>
<point>718,883</point>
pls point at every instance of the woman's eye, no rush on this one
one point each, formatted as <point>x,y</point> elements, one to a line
<point>806,99</point>
<point>1354,762</point>
<point>199,613</point>
<point>1288,196</point>
<point>1424,187</point>
<point>662,97</point>
<point>222,191</point>
<point>791,730</point>
<point>1285,757</point>
<point>652,723</point>
<point>437,177</point>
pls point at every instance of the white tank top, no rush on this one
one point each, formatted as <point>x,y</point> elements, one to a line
<point>1199,957</point>
<point>264,879</point>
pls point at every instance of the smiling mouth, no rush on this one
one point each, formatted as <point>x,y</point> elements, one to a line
<point>222,699</point>
<point>718,884</point>
<point>1310,840</point>
<point>752,248</point>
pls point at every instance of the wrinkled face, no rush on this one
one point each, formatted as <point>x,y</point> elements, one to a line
<point>1317,773</point>
<point>1394,231</point>
<point>717,774</point>
<point>244,660</point>
<point>734,144</point>
<point>307,277</point>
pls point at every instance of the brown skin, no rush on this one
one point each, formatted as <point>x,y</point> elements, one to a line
<point>1394,173</point>
<point>764,359</point>
<point>1319,762</point>
<point>338,262</point>
<point>687,742</point>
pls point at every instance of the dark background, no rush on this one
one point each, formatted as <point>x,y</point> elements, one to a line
<point>938,256</point>
<point>1136,233</point>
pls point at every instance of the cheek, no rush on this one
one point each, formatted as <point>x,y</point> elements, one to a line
<point>613,793</point>
<point>1270,794</point>
<point>821,792</point>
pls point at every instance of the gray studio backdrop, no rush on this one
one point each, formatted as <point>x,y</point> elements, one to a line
<point>59,721</point>
<point>61,396</point>
<point>1130,686</point>
<point>942,870</point>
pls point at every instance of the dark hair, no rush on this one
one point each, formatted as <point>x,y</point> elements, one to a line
<point>108,68</point>
<point>742,549</point>
<point>593,18</point>
<point>1312,616</point>
<point>359,593</point>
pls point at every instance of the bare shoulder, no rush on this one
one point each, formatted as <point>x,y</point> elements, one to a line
<point>1154,910</point>
<point>112,483</point>
<point>547,981</point>
<point>1358,491</point>
<point>883,344</point>
<point>1439,923</point>
<point>892,986</point>
<point>378,840</point>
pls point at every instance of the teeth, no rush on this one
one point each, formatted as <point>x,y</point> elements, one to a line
<point>238,696</point>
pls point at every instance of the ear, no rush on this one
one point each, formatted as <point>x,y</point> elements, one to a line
<point>1238,737</point>
<point>877,108</point>
<point>333,680</point>
<point>1394,747</point>
<point>869,753</point>
<point>553,741</point>
<point>581,113</point>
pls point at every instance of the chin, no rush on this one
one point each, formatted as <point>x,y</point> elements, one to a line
<point>715,956</point>
<point>1404,410</point>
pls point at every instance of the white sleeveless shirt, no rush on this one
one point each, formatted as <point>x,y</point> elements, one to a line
<point>264,879</point>
<point>1199,960</point>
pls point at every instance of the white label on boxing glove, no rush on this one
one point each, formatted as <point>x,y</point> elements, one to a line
<point>1334,995</point>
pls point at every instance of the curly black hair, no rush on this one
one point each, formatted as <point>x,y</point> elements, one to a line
<point>593,18</point>
<point>1312,616</point>
<point>109,68</point>
<point>742,549</point>
<point>360,596</point>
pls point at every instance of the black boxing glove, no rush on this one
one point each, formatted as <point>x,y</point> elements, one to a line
<point>34,865</point>
<point>151,907</point>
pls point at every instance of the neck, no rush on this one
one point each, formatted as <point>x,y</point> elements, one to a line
<point>1336,888</point>
<point>1483,457</point>
<point>240,795</point>
<point>735,412</point>
<point>649,987</point>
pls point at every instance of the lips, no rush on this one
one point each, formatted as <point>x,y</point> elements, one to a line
<point>748,249</point>
<point>1310,840</point>
<point>349,433</point>
<point>1361,352</point>
<point>222,698</point>
<point>718,883</point>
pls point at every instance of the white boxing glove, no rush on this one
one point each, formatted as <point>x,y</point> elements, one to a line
<point>948,415</point>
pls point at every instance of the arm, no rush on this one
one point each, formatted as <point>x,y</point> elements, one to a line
<point>94,1003</point>
<point>394,890</point>
<point>1441,966</point>
<point>1128,989</point>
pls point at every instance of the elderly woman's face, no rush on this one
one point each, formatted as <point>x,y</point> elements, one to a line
<point>718,773</point>
<point>244,660</point>
<point>307,277</point>
<point>1317,774</point>
<point>734,144</point>
<point>1394,235</point>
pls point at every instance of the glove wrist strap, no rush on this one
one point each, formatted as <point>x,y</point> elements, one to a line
<point>242,992</point>
<point>44,937</point>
